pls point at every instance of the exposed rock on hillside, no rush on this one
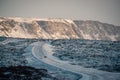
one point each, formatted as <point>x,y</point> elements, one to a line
<point>57,29</point>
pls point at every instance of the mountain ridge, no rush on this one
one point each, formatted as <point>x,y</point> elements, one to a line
<point>57,28</point>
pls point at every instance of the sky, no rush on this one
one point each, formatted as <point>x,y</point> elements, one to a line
<point>107,11</point>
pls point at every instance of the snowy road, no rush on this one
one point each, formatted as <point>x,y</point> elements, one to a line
<point>43,52</point>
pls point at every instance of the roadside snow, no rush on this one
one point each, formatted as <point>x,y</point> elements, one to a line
<point>47,49</point>
<point>43,52</point>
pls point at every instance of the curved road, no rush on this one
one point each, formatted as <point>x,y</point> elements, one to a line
<point>42,51</point>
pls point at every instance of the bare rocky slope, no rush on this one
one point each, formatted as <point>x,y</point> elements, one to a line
<point>52,28</point>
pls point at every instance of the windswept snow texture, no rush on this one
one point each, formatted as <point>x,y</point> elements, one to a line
<point>63,59</point>
<point>51,28</point>
<point>102,55</point>
<point>16,54</point>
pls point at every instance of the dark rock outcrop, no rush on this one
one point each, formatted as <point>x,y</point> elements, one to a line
<point>22,73</point>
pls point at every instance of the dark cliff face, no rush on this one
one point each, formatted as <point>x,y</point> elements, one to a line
<point>58,29</point>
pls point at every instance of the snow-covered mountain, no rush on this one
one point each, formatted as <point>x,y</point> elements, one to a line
<point>52,28</point>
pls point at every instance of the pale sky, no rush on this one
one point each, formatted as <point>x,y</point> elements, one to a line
<point>107,11</point>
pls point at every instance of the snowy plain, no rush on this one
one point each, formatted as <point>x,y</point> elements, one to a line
<point>87,73</point>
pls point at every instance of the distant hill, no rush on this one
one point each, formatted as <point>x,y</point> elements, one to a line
<point>53,28</point>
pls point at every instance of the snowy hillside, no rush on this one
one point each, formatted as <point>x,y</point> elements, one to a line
<point>52,28</point>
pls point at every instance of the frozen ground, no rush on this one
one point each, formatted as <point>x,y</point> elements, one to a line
<point>35,57</point>
<point>18,52</point>
<point>87,73</point>
<point>39,54</point>
<point>102,55</point>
